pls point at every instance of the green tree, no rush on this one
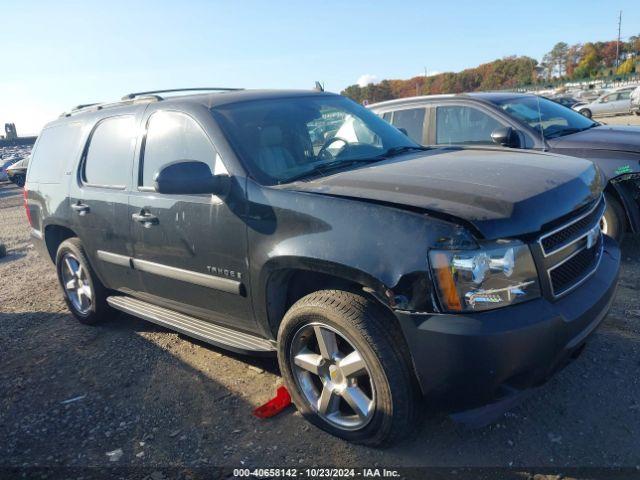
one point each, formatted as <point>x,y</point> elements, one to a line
<point>627,67</point>
<point>558,57</point>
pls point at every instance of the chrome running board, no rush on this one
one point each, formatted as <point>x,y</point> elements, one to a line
<point>193,327</point>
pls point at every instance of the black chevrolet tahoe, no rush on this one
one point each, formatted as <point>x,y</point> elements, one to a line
<point>300,223</point>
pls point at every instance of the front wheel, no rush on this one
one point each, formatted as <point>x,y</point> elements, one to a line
<point>345,363</point>
<point>614,220</point>
<point>586,112</point>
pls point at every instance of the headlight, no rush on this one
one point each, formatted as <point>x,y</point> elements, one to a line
<point>496,275</point>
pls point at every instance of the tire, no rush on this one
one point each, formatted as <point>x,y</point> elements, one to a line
<point>614,220</point>
<point>586,112</point>
<point>386,378</point>
<point>87,311</point>
<point>19,180</point>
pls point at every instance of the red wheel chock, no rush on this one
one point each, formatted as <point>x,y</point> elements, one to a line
<point>274,406</point>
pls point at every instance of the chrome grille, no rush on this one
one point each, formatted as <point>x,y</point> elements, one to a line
<point>570,273</point>
<point>572,252</point>
<point>573,231</point>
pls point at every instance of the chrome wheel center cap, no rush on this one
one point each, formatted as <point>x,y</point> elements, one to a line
<point>337,378</point>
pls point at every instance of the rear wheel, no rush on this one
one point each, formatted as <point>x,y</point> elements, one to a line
<point>586,112</point>
<point>614,220</point>
<point>84,294</point>
<point>346,366</point>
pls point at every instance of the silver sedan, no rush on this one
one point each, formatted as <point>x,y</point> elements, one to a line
<point>616,102</point>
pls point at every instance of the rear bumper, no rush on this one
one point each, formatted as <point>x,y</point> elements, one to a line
<point>469,357</point>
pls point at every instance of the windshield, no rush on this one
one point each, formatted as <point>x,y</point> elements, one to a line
<point>553,119</point>
<point>282,139</point>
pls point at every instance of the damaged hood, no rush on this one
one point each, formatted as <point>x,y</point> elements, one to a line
<point>605,137</point>
<point>502,193</point>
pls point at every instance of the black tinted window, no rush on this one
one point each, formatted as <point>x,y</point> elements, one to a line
<point>457,125</point>
<point>108,160</point>
<point>411,120</point>
<point>387,116</point>
<point>57,147</point>
<point>173,136</point>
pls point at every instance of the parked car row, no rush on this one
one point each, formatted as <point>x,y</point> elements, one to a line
<point>17,173</point>
<point>614,102</point>
<point>13,163</point>
<point>379,270</point>
<point>520,121</point>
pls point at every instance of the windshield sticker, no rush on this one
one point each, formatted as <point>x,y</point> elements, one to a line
<point>621,170</point>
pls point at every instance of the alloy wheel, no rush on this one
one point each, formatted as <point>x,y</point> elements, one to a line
<point>333,376</point>
<point>75,281</point>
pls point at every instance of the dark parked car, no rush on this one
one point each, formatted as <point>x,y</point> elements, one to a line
<point>5,163</point>
<point>521,121</point>
<point>566,101</point>
<point>17,173</point>
<point>378,271</point>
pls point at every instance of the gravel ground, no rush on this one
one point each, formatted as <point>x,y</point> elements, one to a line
<point>72,393</point>
<point>620,120</point>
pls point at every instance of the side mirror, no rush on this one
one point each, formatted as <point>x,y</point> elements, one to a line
<point>506,137</point>
<point>189,177</point>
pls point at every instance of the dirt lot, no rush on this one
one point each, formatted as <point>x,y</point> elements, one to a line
<point>620,120</point>
<point>72,393</point>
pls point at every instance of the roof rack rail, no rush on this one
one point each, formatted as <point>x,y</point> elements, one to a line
<point>92,107</point>
<point>131,96</point>
<point>84,105</point>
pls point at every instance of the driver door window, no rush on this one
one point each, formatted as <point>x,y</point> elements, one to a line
<point>173,136</point>
<point>459,125</point>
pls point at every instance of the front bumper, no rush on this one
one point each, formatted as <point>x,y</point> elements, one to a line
<point>469,357</point>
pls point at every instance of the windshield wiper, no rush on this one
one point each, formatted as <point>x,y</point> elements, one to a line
<point>337,164</point>
<point>393,151</point>
<point>569,131</point>
<point>326,167</point>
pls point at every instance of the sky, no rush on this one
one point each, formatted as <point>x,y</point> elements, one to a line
<point>57,54</point>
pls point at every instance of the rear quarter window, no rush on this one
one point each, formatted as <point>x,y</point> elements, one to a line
<point>57,148</point>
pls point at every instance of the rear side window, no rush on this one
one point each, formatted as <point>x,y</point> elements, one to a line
<point>110,152</point>
<point>412,121</point>
<point>58,146</point>
<point>458,125</point>
<point>173,136</point>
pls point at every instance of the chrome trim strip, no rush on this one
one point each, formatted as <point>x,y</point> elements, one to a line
<point>217,283</point>
<point>583,279</point>
<point>116,259</point>
<point>567,225</point>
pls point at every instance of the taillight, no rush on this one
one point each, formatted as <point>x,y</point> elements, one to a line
<point>26,206</point>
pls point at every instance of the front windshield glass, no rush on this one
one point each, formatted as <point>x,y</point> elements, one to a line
<point>283,139</point>
<point>553,119</point>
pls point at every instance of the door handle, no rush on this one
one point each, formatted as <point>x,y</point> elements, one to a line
<point>145,219</point>
<point>80,208</point>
